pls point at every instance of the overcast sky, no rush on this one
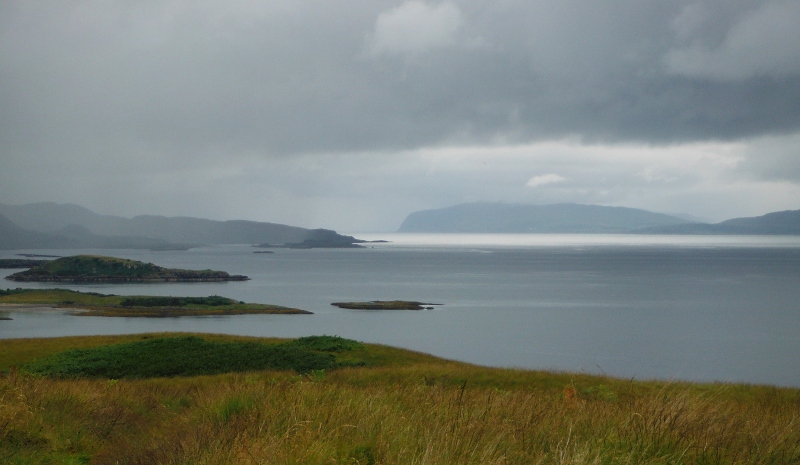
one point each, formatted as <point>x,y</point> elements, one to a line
<point>351,114</point>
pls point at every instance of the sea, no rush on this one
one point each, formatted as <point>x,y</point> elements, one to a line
<point>681,308</point>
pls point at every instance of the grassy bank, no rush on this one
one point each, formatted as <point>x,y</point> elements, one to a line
<point>94,304</point>
<point>401,408</point>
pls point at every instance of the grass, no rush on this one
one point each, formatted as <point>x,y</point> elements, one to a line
<point>190,356</point>
<point>402,408</point>
<point>94,304</point>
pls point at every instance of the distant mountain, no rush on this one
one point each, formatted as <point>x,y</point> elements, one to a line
<point>517,218</point>
<point>88,239</point>
<point>776,223</point>
<point>72,237</point>
<point>14,237</point>
<point>74,221</point>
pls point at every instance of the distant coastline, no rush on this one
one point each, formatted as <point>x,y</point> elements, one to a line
<point>571,218</point>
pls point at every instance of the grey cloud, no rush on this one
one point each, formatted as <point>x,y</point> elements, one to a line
<point>773,159</point>
<point>761,43</point>
<point>415,27</point>
<point>95,95</point>
<point>293,77</point>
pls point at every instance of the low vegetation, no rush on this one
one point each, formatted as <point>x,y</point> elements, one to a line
<point>95,304</point>
<point>99,269</point>
<point>385,305</point>
<point>190,356</point>
<point>400,407</point>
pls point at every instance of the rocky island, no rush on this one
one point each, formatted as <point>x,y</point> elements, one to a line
<point>385,305</point>
<point>83,269</point>
<point>321,239</point>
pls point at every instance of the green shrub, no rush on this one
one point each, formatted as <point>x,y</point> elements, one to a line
<point>325,343</point>
<point>181,356</point>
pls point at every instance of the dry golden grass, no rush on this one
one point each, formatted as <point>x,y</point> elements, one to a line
<point>416,411</point>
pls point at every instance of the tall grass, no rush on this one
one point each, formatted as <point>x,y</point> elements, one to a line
<point>417,412</point>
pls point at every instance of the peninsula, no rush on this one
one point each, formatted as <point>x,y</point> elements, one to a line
<point>95,304</point>
<point>82,269</point>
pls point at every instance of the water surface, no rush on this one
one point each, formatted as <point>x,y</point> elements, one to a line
<point>669,307</point>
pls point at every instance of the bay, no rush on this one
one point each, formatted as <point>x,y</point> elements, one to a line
<point>698,308</point>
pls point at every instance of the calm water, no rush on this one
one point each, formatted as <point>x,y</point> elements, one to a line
<point>694,308</point>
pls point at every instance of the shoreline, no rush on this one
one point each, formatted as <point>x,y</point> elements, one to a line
<point>28,307</point>
<point>138,312</point>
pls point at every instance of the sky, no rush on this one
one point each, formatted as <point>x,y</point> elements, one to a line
<point>350,115</point>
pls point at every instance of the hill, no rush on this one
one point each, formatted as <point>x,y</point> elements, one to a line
<point>61,219</point>
<point>517,218</point>
<point>72,237</point>
<point>775,223</point>
<point>183,398</point>
<point>14,237</point>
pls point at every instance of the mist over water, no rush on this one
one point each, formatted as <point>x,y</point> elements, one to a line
<point>670,307</point>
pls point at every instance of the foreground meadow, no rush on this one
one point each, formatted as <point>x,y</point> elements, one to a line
<point>400,407</point>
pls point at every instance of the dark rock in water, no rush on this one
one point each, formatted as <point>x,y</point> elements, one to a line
<point>385,305</point>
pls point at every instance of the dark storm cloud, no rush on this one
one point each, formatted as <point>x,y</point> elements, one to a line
<point>292,77</point>
<point>176,107</point>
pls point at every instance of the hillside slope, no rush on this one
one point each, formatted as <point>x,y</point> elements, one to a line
<point>14,237</point>
<point>775,223</point>
<point>52,218</point>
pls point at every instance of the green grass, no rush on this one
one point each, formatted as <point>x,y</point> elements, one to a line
<point>56,296</point>
<point>402,407</point>
<point>186,356</point>
<point>325,344</point>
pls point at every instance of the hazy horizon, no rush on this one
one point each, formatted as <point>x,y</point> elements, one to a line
<point>687,218</point>
<point>351,116</point>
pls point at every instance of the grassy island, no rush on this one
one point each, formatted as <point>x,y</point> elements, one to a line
<point>385,305</point>
<point>94,304</point>
<point>213,399</point>
<point>84,269</point>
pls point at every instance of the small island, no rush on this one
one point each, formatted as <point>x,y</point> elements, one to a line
<point>85,269</point>
<point>11,263</point>
<point>95,304</point>
<point>386,305</point>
